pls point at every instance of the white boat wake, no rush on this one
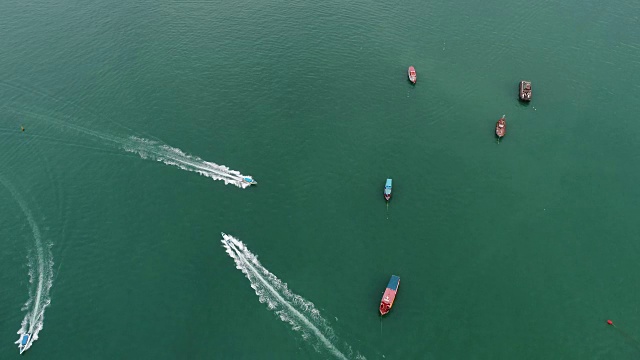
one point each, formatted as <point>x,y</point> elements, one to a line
<point>147,149</point>
<point>300,313</point>
<point>155,150</point>
<point>40,276</point>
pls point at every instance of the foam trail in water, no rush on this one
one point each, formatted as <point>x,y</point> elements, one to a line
<point>155,150</point>
<point>300,313</point>
<point>40,275</point>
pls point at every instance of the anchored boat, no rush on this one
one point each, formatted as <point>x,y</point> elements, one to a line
<point>389,295</point>
<point>412,75</point>
<point>525,90</point>
<point>387,190</point>
<point>24,342</point>
<point>501,127</point>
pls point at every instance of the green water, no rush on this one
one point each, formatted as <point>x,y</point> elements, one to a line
<point>517,250</point>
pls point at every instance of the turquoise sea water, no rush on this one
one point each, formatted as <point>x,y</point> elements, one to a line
<point>517,250</point>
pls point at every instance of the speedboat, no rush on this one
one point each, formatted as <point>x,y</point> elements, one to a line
<point>24,342</point>
<point>501,127</point>
<point>389,295</point>
<point>387,190</point>
<point>412,75</point>
<point>524,90</point>
<point>249,181</point>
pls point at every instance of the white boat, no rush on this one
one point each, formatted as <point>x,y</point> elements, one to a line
<point>413,77</point>
<point>250,180</point>
<point>24,342</point>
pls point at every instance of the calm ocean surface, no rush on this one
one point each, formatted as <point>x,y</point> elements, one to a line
<point>113,208</point>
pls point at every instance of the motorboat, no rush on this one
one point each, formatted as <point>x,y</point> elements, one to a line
<point>24,342</point>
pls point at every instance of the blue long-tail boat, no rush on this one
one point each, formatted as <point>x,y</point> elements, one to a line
<point>387,190</point>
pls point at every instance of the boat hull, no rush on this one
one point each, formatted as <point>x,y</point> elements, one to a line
<point>524,91</point>
<point>411,73</point>
<point>24,342</point>
<point>389,295</point>
<point>387,189</point>
<point>501,127</point>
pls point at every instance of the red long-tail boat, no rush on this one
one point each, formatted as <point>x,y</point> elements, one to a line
<point>389,295</point>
